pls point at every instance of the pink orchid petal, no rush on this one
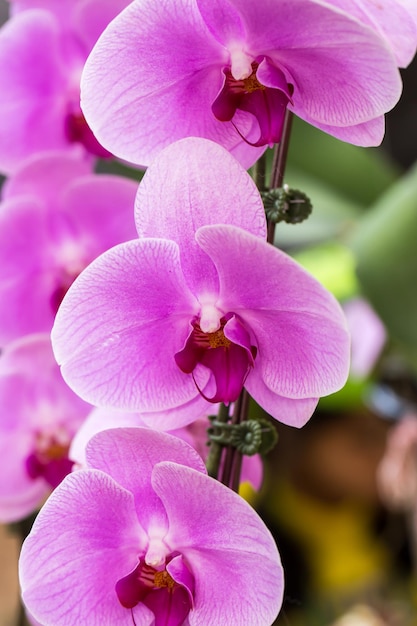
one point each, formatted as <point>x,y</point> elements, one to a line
<point>300,354</point>
<point>368,336</point>
<point>115,452</point>
<point>252,471</point>
<point>232,555</point>
<point>62,9</point>
<point>32,81</point>
<point>24,502</point>
<point>298,326</point>
<point>367,134</point>
<point>104,418</point>
<point>394,19</point>
<point>23,238</point>
<point>98,420</point>
<point>179,571</point>
<point>336,97</point>
<point>79,547</point>
<point>120,324</point>
<point>224,21</point>
<point>90,17</point>
<point>100,210</point>
<point>184,414</point>
<point>189,83</point>
<point>194,166</point>
<point>294,412</point>
<point>45,175</point>
<point>31,357</point>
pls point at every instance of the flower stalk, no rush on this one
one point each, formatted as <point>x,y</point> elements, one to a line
<point>278,165</point>
<point>233,457</point>
<point>216,448</point>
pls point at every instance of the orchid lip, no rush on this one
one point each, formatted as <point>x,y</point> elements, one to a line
<point>266,102</point>
<point>227,352</point>
<point>78,131</point>
<point>167,591</point>
<point>49,460</point>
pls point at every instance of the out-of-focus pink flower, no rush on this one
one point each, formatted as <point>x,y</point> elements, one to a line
<point>397,472</point>
<point>367,333</point>
<point>228,69</point>
<point>56,216</point>
<point>195,434</point>
<point>39,416</point>
<point>200,306</point>
<point>43,48</point>
<point>144,536</point>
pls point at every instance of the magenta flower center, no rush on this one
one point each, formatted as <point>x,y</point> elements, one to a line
<point>61,289</point>
<point>78,131</point>
<point>49,459</point>
<point>227,352</point>
<point>266,103</point>
<point>169,600</point>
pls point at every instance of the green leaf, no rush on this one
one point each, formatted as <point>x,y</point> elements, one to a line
<point>385,246</point>
<point>360,174</point>
<point>333,215</point>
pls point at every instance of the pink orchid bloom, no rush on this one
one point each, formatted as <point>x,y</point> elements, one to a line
<point>56,216</point>
<point>368,336</point>
<point>39,416</point>
<point>227,70</point>
<point>200,306</point>
<point>43,48</point>
<point>195,434</point>
<point>144,536</point>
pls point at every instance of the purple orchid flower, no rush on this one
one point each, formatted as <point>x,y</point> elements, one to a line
<point>145,537</point>
<point>42,53</point>
<point>39,416</point>
<point>195,434</point>
<point>56,216</point>
<point>200,306</point>
<point>227,70</point>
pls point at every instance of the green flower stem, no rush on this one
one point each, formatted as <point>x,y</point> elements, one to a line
<point>216,449</point>
<point>259,172</point>
<point>279,164</point>
<point>233,458</point>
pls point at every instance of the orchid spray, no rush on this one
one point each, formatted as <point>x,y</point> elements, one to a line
<point>174,309</point>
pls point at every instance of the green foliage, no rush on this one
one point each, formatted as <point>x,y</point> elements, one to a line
<point>361,175</point>
<point>385,246</point>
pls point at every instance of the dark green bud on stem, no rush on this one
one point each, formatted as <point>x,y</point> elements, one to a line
<point>286,205</point>
<point>255,436</point>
